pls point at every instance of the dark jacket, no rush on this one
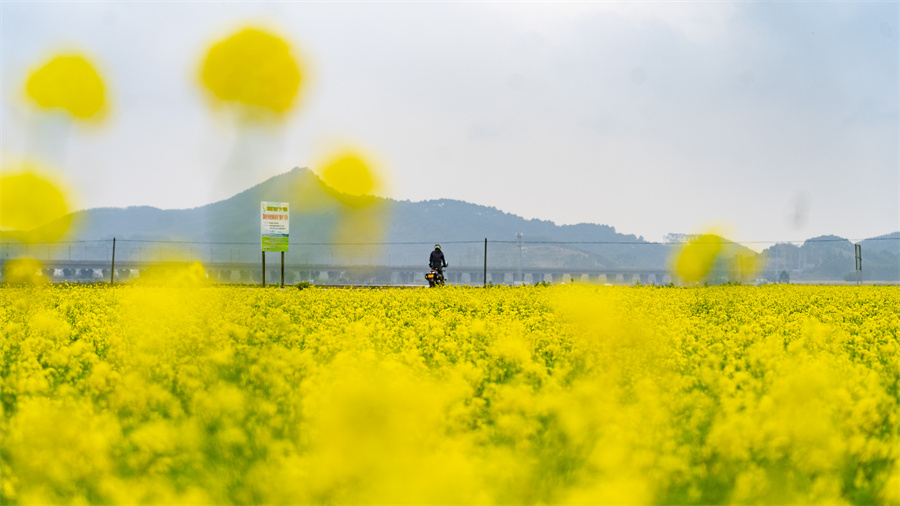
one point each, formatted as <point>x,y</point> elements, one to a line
<point>436,261</point>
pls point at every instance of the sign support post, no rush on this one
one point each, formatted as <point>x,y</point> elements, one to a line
<point>274,229</point>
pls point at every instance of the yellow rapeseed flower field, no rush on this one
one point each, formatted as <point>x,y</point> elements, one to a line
<point>566,394</point>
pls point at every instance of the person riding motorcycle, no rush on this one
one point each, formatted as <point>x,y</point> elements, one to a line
<point>436,260</point>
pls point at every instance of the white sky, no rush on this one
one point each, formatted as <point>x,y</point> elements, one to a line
<point>778,121</point>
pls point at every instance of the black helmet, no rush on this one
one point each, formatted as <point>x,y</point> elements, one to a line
<point>437,246</point>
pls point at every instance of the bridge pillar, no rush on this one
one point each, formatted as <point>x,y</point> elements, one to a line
<point>627,278</point>
<point>610,277</point>
<point>383,277</point>
<point>537,277</point>
<point>498,278</point>
<point>556,278</point>
<point>645,278</point>
<point>334,276</point>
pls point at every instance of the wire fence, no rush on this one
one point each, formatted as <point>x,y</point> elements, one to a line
<point>519,260</point>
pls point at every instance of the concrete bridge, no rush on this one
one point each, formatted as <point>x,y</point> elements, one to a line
<point>331,274</point>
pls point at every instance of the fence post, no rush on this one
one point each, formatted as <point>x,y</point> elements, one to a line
<point>112,270</point>
<point>485,262</point>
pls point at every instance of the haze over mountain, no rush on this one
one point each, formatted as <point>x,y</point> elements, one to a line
<point>410,229</point>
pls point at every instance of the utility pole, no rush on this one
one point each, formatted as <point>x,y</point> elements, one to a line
<point>112,269</point>
<point>520,276</point>
<point>485,262</point>
<point>858,250</point>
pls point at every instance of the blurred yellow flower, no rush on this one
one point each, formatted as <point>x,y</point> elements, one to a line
<point>253,69</point>
<point>352,179</point>
<point>174,273</point>
<point>70,83</point>
<point>32,208</point>
<point>746,266</point>
<point>23,270</point>
<point>349,173</point>
<point>697,258</point>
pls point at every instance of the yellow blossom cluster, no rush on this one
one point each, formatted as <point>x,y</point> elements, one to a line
<point>565,394</point>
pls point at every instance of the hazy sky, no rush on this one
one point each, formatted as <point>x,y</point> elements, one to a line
<point>777,120</point>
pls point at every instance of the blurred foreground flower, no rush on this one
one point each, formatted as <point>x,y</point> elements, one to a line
<point>351,178</point>
<point>746,266</point>
<point>175,274</point>
<point>23,270</point>
<point>697,258</point>
<point>32,208</point>
<point>70,83</point>
<point>254,70</point>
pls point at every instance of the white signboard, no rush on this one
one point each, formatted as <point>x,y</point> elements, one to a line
<point>275,225</point>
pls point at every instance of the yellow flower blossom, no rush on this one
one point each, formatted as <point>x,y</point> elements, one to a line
<point>186,393</point>
<point>33,207</point>
<point>255,70</point>
<point>68,82</point>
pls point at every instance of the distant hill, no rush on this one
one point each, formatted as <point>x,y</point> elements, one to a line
<point>406,232</point>
<point>409,229</point>
<point>888,242</point>
<point>833,258</point>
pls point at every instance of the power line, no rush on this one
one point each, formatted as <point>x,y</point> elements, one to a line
<point>722,241</point>
<point>480,241</point>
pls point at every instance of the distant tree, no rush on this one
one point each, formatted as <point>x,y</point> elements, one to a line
<point>784,277</point>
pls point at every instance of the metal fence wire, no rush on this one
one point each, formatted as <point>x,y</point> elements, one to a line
<point>472,262</point>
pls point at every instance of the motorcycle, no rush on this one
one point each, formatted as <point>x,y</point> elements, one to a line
<point>435,278</point>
